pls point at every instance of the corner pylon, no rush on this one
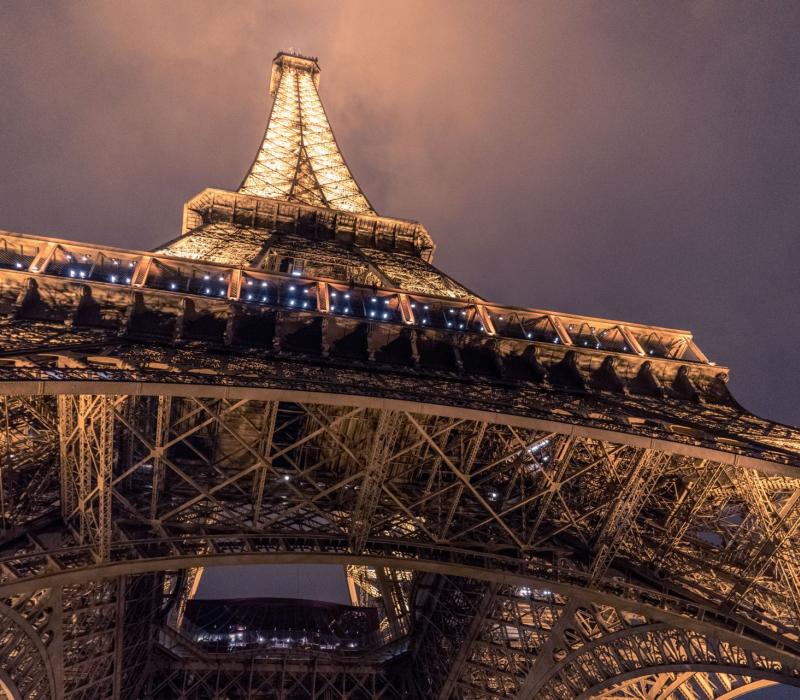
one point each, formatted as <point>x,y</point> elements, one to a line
<point>299,159</point>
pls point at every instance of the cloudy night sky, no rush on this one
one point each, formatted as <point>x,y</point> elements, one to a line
<point>632,160</point>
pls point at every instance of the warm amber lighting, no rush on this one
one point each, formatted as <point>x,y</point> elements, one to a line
<point>299,159</point>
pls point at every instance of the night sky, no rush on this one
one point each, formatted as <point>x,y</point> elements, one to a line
<point>632,160</point>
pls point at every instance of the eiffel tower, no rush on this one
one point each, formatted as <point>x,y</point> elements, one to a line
<point>527,504</point>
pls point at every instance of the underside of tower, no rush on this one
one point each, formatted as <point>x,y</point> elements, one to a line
<point>525,503</point>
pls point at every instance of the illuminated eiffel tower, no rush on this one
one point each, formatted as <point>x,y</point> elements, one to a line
<point>528,504</point>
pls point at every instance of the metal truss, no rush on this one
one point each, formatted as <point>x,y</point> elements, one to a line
<point>679,508</point>
<point>539,505</point>
<point>690,685</point>
<point>86,432</point>
<point>79,641</point>
<point>185,672</point>
<point>528,642</point>
<point>28,485</point>
<point>572,537</point>
<point>299,159</point>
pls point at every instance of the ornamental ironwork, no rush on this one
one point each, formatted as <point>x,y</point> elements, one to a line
<point>527,504</point>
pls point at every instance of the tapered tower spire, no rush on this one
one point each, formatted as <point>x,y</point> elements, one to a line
<point>299,159</point>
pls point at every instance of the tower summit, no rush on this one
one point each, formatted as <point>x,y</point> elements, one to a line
<point>530,505</point>
<point>299,159</point>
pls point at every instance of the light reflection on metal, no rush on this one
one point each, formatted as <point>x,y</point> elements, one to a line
<point>299,159</point>
<point>541,505</point>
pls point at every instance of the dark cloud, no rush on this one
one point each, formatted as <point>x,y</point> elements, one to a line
<point>637,161</point>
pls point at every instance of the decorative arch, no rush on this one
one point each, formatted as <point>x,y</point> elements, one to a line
<point>31,677</point>
<point>8,689</point>
<point>696,684</point>
<point>670,655</point>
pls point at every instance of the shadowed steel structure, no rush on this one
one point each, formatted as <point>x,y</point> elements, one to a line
<point>529,504</point>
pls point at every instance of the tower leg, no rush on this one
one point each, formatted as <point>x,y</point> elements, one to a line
<point>86,424</point>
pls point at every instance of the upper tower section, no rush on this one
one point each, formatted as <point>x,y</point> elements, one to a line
<point>299,159</point>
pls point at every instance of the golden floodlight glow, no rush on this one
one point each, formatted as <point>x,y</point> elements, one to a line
<point>299,159</point>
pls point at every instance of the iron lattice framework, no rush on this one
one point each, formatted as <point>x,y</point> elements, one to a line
<point>299,160</point>
<point>540,505</point>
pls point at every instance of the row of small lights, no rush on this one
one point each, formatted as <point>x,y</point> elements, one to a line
<point>82,275</point>
<point>372,313</point>
<point>237,639</point>
<point>264,286</point>
<point>598,344</point>
<point>461,326</point>
<point>207,290</point>
<point>529,334</point>
<point>593,331</point>
<point>250,296</point>
<point>114,277</point>
<point>527,592</point>
<point>296,273</point>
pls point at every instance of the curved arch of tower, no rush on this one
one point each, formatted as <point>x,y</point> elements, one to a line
<point>528,504</point>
